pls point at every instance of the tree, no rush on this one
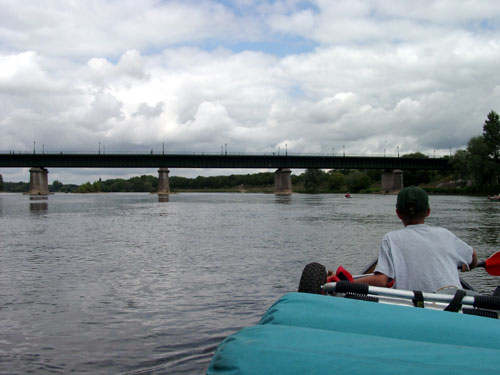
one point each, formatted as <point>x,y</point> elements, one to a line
<point>375,174</point>
<point>313,178</point>
<point>491,134</point>
<point>56,186</point>
<point>482,168</point>
<point>98,186</point>
<point>136,184</point>
<point>357,181</point>
<point>1,182</point>
<point>335,181</point>
<point>416,177</point>
<point>297,180</point>
<point>460,164</point>
<point>86,188</point>
<point>118,185</point>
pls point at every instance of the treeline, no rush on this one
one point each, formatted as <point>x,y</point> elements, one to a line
<point>23,187</point>
<point>366,181</point>
<point>221,182</point>
<point>478,167</point>
<point>148,183</point>
<point>317,180</point>
<point>117,185</point>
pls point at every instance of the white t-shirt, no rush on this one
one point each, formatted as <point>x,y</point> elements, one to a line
<point>424,258</point>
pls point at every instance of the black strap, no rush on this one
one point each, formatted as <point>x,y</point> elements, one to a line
<point>497,291</point>
<point>354,288</point>
<point>456,303</point>
<point>361,297</point>
<point>481,312</point>
<point>418,299</point>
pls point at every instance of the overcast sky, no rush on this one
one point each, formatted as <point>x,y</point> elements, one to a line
<point>311,76</point>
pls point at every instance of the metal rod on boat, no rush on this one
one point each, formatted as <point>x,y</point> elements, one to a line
<point>406,294</point>
<point>355,277</point>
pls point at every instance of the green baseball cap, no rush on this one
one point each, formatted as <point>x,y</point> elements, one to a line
<point>415,197</point>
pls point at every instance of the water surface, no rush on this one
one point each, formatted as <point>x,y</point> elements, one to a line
<point>123,283</point>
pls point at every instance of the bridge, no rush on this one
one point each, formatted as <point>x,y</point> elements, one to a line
<point>391,179</point>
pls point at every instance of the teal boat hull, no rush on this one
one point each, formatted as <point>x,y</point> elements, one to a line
<point>315,334</point>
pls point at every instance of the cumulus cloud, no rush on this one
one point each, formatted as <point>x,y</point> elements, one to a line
<point>149,111</point>
<point>252,76</point>
<point>22,73</point>
<point>129,66</point>
<point>103,110</point>
<point>107,28</point>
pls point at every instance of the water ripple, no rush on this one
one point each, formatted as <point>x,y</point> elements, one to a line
<point>122,283</point>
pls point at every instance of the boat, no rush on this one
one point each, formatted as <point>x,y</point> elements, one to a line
<point>494,198</point>
<point>350,328</point>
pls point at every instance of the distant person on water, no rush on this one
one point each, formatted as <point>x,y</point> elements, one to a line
<point>420,257</point>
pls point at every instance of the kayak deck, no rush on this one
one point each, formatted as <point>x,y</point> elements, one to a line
<point>314,334</point>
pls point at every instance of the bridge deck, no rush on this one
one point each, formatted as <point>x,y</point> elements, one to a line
<point>217,161</point>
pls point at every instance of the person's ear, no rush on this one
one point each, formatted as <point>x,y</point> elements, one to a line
<point>428,212</point>
<point>399,214</point>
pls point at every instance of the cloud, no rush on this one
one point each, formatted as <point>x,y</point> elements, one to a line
<point>345,22</point>
<point>129,66</point>
<point>103,111</point>
<point>145,110</point>
<point>22,73</point>
<point>106,28</point>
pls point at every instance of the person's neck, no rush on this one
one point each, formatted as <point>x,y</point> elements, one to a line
<point>413,222</point>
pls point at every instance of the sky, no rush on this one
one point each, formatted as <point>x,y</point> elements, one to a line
<point>249,76</point>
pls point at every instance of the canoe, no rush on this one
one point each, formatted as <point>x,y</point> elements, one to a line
<point>366,332</point>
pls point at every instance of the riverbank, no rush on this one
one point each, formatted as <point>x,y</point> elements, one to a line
<point>258,183</point>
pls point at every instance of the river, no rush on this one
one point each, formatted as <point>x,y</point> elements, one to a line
<point>125,284</point>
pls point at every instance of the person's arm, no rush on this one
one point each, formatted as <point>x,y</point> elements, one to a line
<point>377,279</point>
<point>472,264</point>
<point>474,259</point>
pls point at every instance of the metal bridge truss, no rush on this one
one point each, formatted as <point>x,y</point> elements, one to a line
<point>69,160</point>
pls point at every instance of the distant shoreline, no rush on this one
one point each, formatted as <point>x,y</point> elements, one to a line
<point>266,190</point>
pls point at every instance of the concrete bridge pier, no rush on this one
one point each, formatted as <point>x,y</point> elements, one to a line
<point>163,184</point>
<point>283,181</point>
<point>39,182</point>
<point>392,180</point>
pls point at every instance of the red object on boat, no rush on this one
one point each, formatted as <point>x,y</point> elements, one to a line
<point>341,274</point>
<point>492,264</point>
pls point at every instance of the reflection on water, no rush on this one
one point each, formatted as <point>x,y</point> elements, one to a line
<point>39,206</point>
<point>119,283</point>
<point>39,203</point>
<point>163,197</point>
<point>283,199</point>
<point>489,229</point>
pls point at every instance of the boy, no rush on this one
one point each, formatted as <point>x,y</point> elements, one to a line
<point>420,257</point>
